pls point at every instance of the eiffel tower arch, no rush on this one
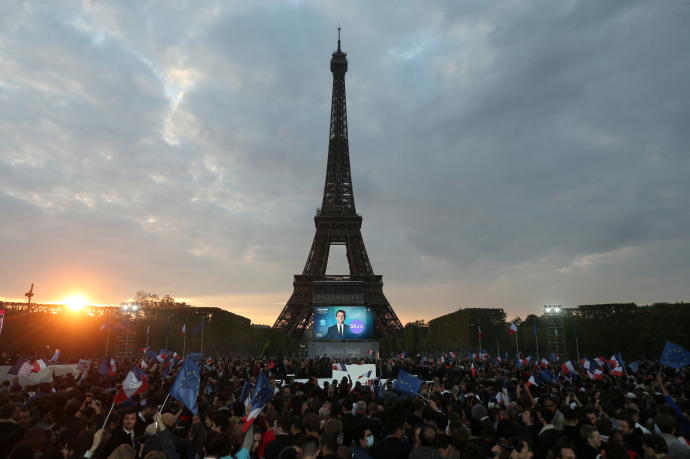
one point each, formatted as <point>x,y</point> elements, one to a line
<point>337,223</point>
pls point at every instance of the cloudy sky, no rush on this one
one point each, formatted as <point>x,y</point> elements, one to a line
<point>505,154</point>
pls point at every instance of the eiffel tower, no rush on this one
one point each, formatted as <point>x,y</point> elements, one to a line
<point>337,223</point>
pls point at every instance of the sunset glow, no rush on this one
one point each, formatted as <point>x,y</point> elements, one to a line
<point>75,302</point>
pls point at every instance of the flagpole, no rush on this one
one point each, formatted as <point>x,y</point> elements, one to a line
<point>577,349</point>
<point>164,402</point>
<point>184,340</point>
<point>147,334</point>
<point>498,349</point>
<point>517,348</point>
<point>203,326</point>
<point>108,415</point>
<point>536,337</point>
<point>107,339</point>
<point>479,335</point>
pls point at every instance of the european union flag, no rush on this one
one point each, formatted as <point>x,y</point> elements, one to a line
<point>186,385</point>
<point>674,356</point>
<point>407,384</point>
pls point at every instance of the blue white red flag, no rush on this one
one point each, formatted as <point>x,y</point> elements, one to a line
<point>134,383</point>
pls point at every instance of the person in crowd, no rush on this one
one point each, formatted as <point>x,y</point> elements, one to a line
<point>458,414</point>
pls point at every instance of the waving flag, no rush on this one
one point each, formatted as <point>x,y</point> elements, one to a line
<point>546,376</point>
<point>134,383</point>
<point>17,366</point>
<point>617,370</point>
<point>674,356</point>
<point>366,375</point>
<point>532,381</point>
<point>596,374</point>
<point>407,384</point>
<point>262,395</point>
<point>186,386</point>
<point>39,365</point>
<point>2,317</point>
<point>184,329</point>
<point>585,363</point>
<point>108,367</point>
<point>56,356</point>
<point>479,331</point>
<point>567,367</point>
<point>513,329</point>
<point>634,366</point>
<point>544,363</point>
<point>25,369</point>
<point>473,370</point>
<point>339,366</point>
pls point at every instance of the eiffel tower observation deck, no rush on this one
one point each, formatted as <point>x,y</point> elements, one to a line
<point>337,223</point>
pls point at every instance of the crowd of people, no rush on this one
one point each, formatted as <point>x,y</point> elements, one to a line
<point>465,409</point>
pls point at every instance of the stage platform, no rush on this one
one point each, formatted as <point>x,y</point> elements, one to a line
<point>343,349</point>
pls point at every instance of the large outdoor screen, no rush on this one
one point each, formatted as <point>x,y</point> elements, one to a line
<point>343,323</point>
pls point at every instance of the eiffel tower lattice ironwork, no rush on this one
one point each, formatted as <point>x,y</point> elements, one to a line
<point>337,223</point>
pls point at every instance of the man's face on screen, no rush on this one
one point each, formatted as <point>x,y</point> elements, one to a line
<point>340,317</point>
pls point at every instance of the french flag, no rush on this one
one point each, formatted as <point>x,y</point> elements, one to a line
<point>617,370</point>
<point>339,366</point>
<point>262,395</point>
<point>473,370</point>
<point>532,381</point>
<point>585,363</point>
<point>544,363</point>
<point>112,368</point>
<point>184,329</point>
<point>596,374</point>
<point>513,329</point>
<point>567,367</point>
<point>39,365</point>
<point>600,361</point>
<point>134,383</point>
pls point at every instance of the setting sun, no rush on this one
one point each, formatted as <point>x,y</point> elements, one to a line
<point>75,302</point>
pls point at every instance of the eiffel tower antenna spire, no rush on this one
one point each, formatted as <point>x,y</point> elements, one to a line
<point>337,223</point>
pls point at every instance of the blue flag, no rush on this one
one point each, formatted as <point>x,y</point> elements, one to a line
<point>198,327</point>
<point>634,366</point>
<point>186,385</point>
<point>407,384</point>
<point>546,376</point>
<point>263,389</point>
<point>674,356</point>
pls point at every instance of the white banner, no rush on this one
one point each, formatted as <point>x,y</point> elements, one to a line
<point>45,375</point>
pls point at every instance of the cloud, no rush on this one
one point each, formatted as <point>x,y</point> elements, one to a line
<point>506,155</point>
